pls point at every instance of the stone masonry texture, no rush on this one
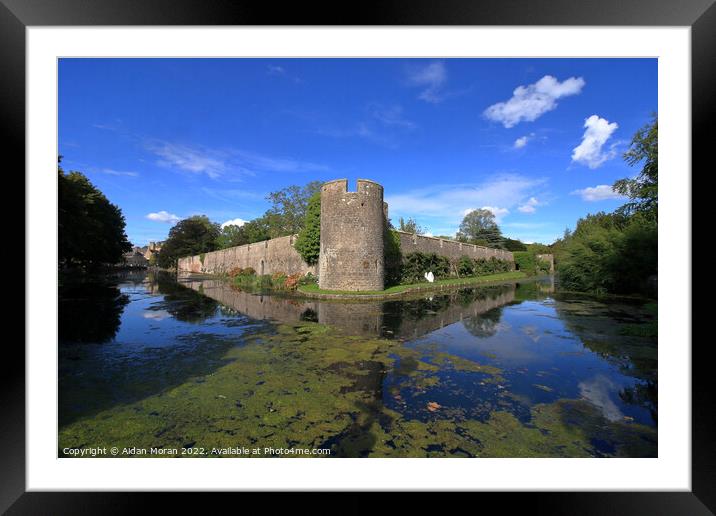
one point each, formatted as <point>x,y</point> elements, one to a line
<point>267,257</point>
<point>411,243</point>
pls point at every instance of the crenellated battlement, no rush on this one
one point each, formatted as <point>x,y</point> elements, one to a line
<point>364,188</point>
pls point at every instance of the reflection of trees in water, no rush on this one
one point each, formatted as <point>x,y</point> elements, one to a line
<point>531,290</point>
<point>90,312</point>
<point>598,330</point>
<point>310,315</point>
<point>358,439</point>
<point>484,325</point>
<point>184,304</point>
<point>642,395</point>
<point>395,313</point>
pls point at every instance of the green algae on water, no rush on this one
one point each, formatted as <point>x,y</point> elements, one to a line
<point>308,385</point>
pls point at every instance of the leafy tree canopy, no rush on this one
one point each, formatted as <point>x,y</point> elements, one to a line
<point>288,208</point>
<point>188,237</point>
<point>91,229</point>
<point>642,191</point>
<point>514,245</point>
<point>609,253</point>
<point>537,248</point>
<point>230,236</point>
<point>480,226</point>
<point>410,226</point>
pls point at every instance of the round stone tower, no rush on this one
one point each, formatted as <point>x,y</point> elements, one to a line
<point>352,224</point>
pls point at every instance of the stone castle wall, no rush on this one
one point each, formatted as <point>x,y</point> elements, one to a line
<point>267,257</point>
<point>411,243</point>
<point>352,242</point>
<point>352,230</point>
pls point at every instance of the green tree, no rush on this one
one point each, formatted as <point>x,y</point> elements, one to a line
<point>230,236</point>
<point>256,230</point>
<point>288,208</point>
<point>286,216</point>
<point>642,190</point>
<point>410,226</point>
<point>537,248</point>
<point>479,225</point>
<point>189,237</point>
<point>514,245</point>
<point>308,243</point>
<point>91,229</point>
<point>609,253</point>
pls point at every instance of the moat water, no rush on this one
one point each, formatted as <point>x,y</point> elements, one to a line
<point>153,362</point>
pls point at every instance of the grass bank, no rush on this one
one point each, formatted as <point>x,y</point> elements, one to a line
<point>313,290</point>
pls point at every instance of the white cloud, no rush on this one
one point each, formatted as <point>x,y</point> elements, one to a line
<point>233,194</point>
<point>441,207</point>
<point>164,216</point>
<point>526,225</point>
<point>280,71</point>
<point>589,152</point>
<point>497,212</point>
<point>521,141</point>
<point>450,202</point>
<point>530,206</point>
<point>273,163</point>
<point>219,163</point>
<point>233,222</point>
<point>432,77</point>
<point>190,159</point>
<point>530,102</point>
<point>390,116</point>
<point>598,193</point>
<point>276,70</point>
<point>112,172</point>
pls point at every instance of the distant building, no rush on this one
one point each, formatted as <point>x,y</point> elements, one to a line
<point>135,258</point>
<point>152,249</point>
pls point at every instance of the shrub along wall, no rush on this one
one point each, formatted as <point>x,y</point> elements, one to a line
<point>415,265</point>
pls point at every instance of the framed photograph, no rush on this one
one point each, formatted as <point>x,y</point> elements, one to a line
<point>412,250</point>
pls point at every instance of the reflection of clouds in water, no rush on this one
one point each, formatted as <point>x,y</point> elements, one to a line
<point>531,332</point>
<point>501,341</point>
<point>596,391</point>
<point>156,315</point>
<point>504,326</point>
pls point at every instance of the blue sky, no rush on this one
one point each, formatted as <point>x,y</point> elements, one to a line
<point>537,141</point>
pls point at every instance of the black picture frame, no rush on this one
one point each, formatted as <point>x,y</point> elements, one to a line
<point>700,15</point>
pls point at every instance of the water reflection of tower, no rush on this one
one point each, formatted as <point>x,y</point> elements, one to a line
<point>354,318</point>
<point>405,318</point>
